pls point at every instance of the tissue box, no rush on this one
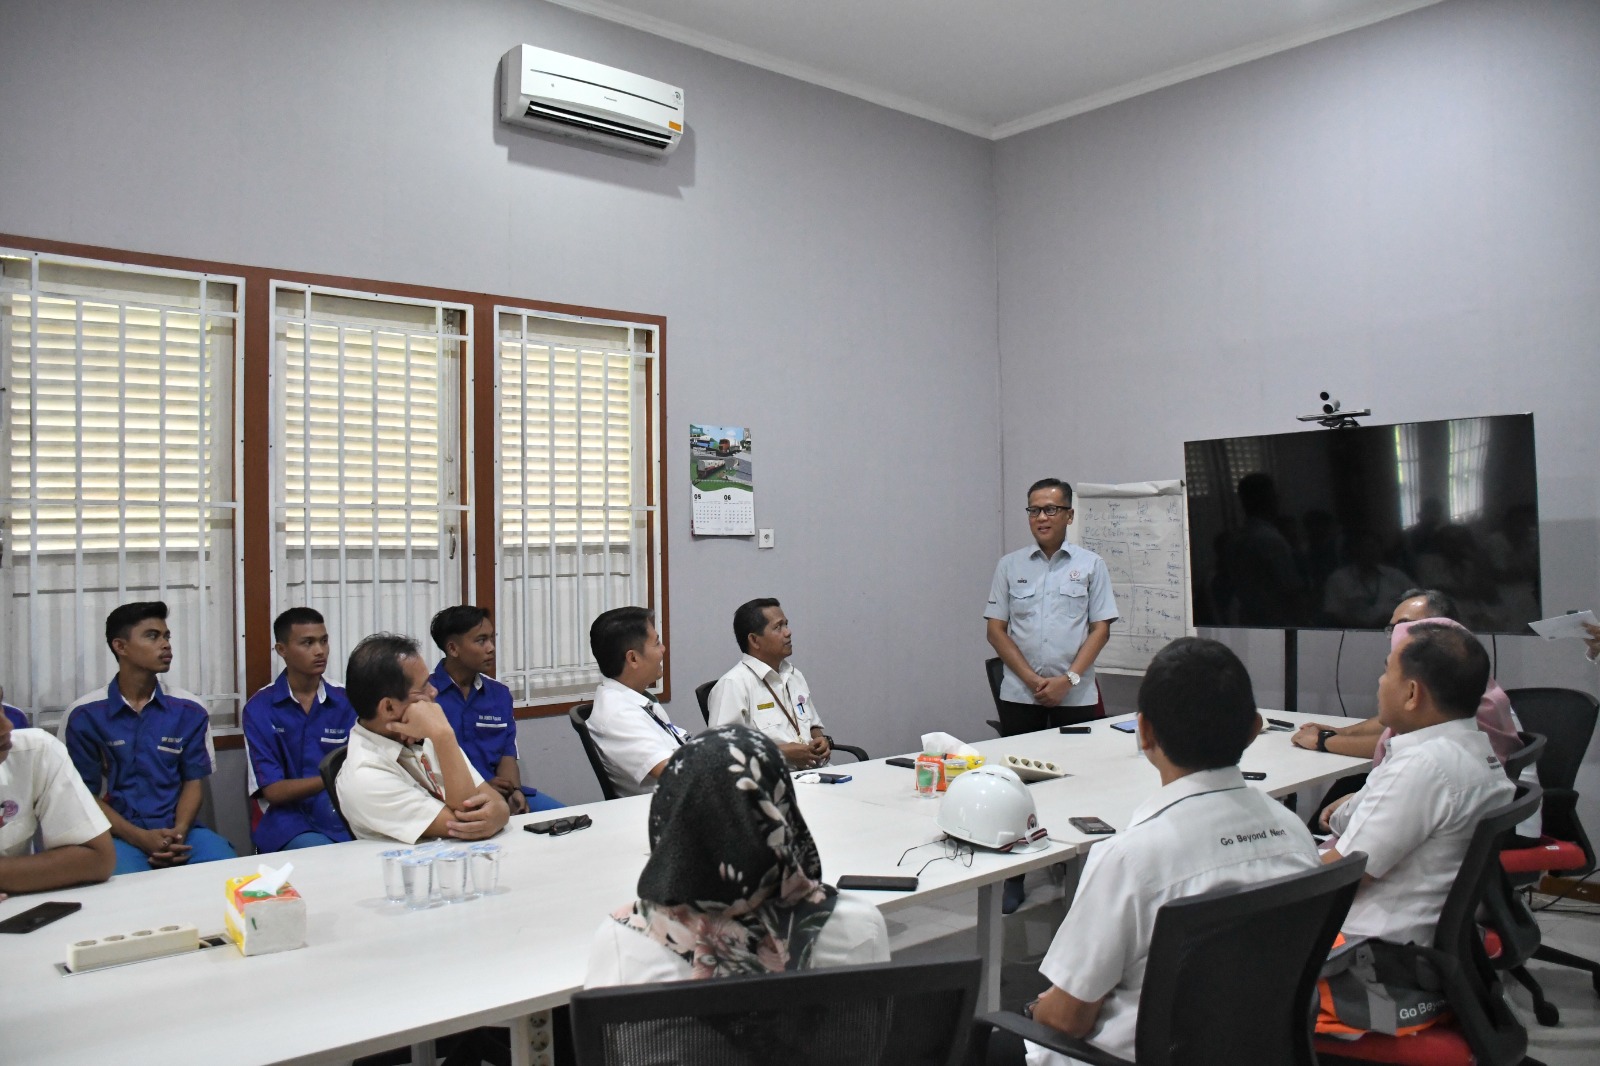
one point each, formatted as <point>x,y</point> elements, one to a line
<point>260,923</point>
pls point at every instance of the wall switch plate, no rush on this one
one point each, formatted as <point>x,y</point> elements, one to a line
<point>763,538</point>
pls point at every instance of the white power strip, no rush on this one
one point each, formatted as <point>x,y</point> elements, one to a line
<point>1034,769</point>
<point>142,944</point>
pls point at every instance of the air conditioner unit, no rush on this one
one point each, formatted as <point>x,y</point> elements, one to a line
<point>573,97</point>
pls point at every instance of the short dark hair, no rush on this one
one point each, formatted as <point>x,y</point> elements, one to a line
<point>1196,695</point>
<point>1440,603</point>
<point>751,618</point>
<point>374,673</point>
<point>617,632</point>
<point>1449,662</point>
<point>1052,483</point>
<point>120,622</point>
<point>454,621</point>
<point>284,624</point>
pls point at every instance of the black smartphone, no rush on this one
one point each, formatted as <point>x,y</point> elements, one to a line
<point>1126,727</point>
<point>559,827</point>
<point>1074,729</point>
<point>833,779</point>
<point>1254,775</point>
<point>901,760</point>
<point>1092,826</point>
<point>878,884</point>
<point>1280,723</point>
<point>37,917</point>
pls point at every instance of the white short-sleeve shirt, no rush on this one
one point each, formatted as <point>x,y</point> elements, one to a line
<point>41,792</point>
<point>756,695</point>
<point>380,787</point>
<point>1414,818</point>
<point>1048,606</point>
<point>853,935</point>
<point>1203,831</point>
<point>633,735</point>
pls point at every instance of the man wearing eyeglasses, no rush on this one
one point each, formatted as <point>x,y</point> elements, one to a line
<point>1049,614</point>
<point>405,776</point>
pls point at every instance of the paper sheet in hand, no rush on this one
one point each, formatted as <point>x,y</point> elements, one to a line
<point>1564,625</point>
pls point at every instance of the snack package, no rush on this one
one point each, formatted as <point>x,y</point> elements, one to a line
<point>264,913</point>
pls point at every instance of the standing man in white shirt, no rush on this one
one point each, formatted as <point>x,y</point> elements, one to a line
<point>405,776</point>
<point>767,692</point>
<point>1205,829</point>
<point>634,735</point>
<point>42,795</point>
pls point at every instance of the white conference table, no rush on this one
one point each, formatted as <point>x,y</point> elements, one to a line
<point>375,975</point>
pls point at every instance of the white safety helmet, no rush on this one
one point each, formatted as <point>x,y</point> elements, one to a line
<point>991,807</point>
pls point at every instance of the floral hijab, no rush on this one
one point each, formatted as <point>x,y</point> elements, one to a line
<point>733,884</point>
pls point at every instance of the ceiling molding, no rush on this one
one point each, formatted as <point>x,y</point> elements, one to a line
<point>1190,71</point>
<point>778,65</point>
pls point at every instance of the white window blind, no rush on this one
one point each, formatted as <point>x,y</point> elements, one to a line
<point>578,534</point>
<point>118,481</point>
<point>368,510</point>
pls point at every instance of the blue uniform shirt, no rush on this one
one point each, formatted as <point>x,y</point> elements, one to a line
<point>286,741</point>
<point>484,721</point>
<point>1047,606</point>
<point>139,762</point>
<point>18,719</point>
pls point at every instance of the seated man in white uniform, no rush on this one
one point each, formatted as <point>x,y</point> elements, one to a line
<point>1205,829</point>
<point>765,691</point>
<point>41,793</point>
<point>634,735</point>
<point>405,777</point>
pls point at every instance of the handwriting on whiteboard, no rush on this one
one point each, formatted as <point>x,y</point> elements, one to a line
<point>1141,539</point>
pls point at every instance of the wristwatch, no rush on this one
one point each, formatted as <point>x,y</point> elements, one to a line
<point>1322,738</point>
<point>1074,678</point>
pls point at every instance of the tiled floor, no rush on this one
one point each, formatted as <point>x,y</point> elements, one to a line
<point>943,931</point>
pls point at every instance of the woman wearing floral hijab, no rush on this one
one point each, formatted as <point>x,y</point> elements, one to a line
<point>733,884</point>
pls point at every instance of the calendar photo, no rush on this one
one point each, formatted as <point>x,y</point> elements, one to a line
<point>722,482</point>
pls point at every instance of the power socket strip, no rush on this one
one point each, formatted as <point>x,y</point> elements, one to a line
<point>142,944</point>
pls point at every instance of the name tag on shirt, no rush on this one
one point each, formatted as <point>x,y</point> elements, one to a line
<point>174,751</point>
<point>764,706</point>
<point>491,725</point>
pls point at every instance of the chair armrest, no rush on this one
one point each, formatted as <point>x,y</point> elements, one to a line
<point>1045,1036</point>
<point>859,753</point>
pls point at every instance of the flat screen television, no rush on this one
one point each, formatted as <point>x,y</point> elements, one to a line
<point>1326,528</point>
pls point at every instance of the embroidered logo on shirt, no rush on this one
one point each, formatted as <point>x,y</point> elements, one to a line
<point>1075,574</point>
<point>8,811</point>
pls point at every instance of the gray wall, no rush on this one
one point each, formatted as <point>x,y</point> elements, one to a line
<point>826,267</point>
<point>1405,215</point>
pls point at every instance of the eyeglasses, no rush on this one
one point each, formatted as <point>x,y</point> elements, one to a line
<point>562,826</point>
<point>954,850</point>
<point>1049,512</point>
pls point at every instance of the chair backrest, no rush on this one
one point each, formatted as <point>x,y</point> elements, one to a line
<point>1566,718</point>
<point>1231,971</point>
<point>328,770</point>
<point>703,694</point>
<point>997,672</point>
<point>579,717</point>
<point>879,1015</point>
<point>1526,755</point>
<point>1471,983</point>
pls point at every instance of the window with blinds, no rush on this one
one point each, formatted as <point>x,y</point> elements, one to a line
<point>576,400</point>
<point>368,509</point>
<point>118,481</point>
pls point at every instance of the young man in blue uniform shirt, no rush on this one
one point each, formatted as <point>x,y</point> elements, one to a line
<point>143,750</point>
<point>289,726</point>
<point>478,707</point>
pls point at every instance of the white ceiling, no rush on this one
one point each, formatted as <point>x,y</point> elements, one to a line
<point>994,67</point>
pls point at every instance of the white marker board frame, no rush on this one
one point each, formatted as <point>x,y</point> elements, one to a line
<point>1141,530</point>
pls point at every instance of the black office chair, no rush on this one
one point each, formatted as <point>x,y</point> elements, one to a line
<point>1230,976</point>
<point>579,717</point>
<point>997,673</point>
<point>886,1014</point>
<point>1532,748</point>
<point>1482,1029</point>
<point>328,770</point>
<point>702,693</point>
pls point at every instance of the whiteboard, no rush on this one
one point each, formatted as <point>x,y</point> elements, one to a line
<point>1141,531</point>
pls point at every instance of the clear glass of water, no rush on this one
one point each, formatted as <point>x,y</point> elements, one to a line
<point>394,885</point>
<point>416,871</point>
<point>485,863</point>
<point>450,874</point>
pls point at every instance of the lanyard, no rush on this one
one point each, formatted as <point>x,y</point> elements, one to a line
<point>427,779</point>
<point>671,731</point>
<point>794,722</point>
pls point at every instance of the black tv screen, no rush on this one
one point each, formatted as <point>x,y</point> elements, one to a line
<point>1327,528</point>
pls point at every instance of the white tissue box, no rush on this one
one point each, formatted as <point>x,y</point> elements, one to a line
<point>260,923</point>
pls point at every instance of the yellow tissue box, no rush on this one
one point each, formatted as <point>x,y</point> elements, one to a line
<point>260,923</point>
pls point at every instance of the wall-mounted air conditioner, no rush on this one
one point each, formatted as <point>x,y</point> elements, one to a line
<point>576,98</point>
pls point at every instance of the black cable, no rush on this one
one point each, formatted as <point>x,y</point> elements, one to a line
<point>1337,659</point>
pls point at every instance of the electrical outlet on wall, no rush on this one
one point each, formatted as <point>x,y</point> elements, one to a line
<point>763,538</point>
